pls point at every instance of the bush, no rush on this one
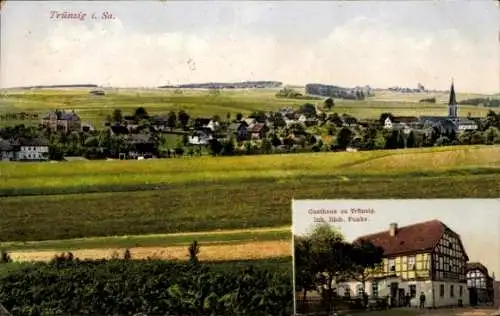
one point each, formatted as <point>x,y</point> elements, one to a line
<point>5,257</point>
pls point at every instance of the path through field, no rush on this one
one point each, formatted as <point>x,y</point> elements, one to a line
<point>211,252</point>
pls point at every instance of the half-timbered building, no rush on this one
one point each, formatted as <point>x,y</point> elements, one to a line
<point>479,284</point>
<point>427,258</point>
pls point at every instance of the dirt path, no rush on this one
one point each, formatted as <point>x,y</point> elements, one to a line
<point>221,252</point>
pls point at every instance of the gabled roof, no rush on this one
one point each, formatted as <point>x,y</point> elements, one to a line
<point>414,238</point>
<point>476,266</point>
<point>404,119</point>
<point>237,126</point>
<point>256,128</point>
<point>6,145</point>
<point>34,142</point>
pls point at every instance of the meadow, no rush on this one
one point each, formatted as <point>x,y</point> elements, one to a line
<point>199,102</point>
<point>207,194</point>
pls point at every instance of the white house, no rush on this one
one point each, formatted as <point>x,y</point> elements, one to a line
<point>36,149</point>
<point>24,149</point>
<point>199,138</point>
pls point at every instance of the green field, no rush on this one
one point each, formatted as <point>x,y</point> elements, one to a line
<point>154,240</point>
<point>94,109</point>
<point>204,194</point>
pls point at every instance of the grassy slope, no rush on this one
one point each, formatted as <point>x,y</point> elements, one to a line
<point>154,240</point>
<point>200,103</point>
<point>235,192</point>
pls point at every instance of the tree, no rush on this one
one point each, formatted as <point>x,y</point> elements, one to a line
<point>308,109</point>
<point>305,270</point>
<point>384,116</point>
<point>344,138</point>
<point>492,135</point>
<point>172,120</point>
<point>328,103</point>
<point>183,119</point>
<point>443,141</point>
<point>266,146</point>
<point>366,257</point>
<point>140,113</point>
<point>193,251</point>
<point>215,147</point>
<point>117,116</point>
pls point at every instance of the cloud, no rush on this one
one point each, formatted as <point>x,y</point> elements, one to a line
<point>361,51</point>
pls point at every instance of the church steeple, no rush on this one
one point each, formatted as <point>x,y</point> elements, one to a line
<point>452,103</point>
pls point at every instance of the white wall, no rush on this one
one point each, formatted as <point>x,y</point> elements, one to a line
<point>32,152</point>
<point>421,286</point>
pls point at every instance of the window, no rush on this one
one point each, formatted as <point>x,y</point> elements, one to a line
<point>347,291</point>
<point>460,291</point>
<point>360,290</point>
<point>411,263</point>
<point>392,265</point>
<point>452,291</point>
<point>441,290</point>
<point>413,290</point>
<point>375,289</point>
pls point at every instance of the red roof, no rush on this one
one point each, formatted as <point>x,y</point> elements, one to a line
<point>418,237</point>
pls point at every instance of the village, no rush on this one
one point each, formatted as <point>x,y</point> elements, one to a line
<point>61,134</point>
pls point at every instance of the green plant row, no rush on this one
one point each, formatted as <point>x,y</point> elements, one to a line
<point>67,286</point>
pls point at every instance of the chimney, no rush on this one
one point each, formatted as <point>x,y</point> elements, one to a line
<point>393,229</point>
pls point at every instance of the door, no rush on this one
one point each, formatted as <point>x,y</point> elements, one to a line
<point>401,297</point>
<point>394,293</point>
<point>473,296</point>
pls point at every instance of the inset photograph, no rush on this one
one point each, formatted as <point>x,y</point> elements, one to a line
<point>402,256</point>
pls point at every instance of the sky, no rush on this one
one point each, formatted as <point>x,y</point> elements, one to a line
<point>152,43</point>
<point>477,221</point>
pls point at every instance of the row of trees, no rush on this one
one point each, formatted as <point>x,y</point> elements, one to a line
<point>323,259</point>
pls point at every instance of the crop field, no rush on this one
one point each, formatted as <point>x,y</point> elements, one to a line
<point>198,102</point>
<point>221,193</point>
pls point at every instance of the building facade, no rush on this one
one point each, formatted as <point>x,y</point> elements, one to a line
<point>426,258</point>
<point>480,284</point>
<point>62,121</point>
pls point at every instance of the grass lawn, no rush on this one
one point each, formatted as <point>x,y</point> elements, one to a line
<point>198,102</point>
<point>207,194</point>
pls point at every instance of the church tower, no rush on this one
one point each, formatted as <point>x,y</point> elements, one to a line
<point>452,104</point>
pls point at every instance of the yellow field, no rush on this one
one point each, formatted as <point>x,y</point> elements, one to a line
<point>219,252</point>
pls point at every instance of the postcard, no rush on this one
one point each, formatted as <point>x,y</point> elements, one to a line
<point>378,254</point>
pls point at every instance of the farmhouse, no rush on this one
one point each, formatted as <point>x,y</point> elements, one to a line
<point>24,149</point>
<point>258,130</point>
<point>401,122</point>
<point>199,137</point>
<point>480,284</point>
<point>62,121</point>
<point>425,257</point>
<point>239,130</point>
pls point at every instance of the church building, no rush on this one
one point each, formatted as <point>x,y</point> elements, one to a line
<point>452,122</point>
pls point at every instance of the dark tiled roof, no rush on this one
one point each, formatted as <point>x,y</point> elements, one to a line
<point>413,238</point>
<point>34,142</point>
<point>476,265</point>
<point>6,145</point>
<point>236,126</point>
<point>405,119</point>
